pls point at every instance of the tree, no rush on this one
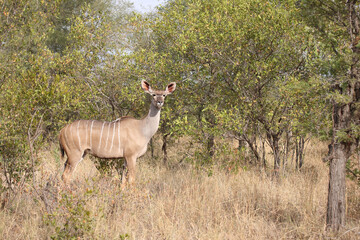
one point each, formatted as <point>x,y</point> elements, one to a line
<point>243,63</point>
<point>336,25</point>
<point>42,89</point>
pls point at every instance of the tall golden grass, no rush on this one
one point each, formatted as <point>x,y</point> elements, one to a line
<point>180,202</point>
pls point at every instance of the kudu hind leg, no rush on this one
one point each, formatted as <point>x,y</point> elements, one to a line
<point>66,176</point>
<point>70,166</point>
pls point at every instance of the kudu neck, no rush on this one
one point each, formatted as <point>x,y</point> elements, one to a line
<point>151,121</point>
<point>154,111</point>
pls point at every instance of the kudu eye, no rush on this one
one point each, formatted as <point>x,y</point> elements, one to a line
<point>164,95</point>
<point>154,94</point>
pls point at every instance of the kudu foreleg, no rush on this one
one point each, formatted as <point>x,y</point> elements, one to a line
<point>131,163</point>
<point>129,175</point>
<point>123,174</point>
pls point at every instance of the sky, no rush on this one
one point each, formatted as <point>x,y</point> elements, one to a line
<point>146,5</point>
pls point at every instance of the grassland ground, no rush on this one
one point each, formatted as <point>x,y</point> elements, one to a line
<point>177,202</point>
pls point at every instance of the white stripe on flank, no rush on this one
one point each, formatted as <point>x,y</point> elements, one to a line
<point>78,133</point>
<point>112,141</point>
<point>107,137</point>
<point>92,122</point>
<point>119,137</point>
<point>72,134</point>
<point>86,132</point>
<point>102,128</point>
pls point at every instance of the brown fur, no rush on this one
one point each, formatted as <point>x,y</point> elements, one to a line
<point>125,137</point>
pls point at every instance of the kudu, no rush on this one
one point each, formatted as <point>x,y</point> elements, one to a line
<point>125,137</point>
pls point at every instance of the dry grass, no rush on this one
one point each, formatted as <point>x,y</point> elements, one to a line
<point>177,203</point>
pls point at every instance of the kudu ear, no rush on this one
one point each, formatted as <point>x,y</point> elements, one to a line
<point>146,86</point>
<point>170,88</point>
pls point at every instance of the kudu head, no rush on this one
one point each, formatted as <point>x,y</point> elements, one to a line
<point>158,97</point>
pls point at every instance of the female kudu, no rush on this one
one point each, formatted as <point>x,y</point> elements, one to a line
<point>125,137</point>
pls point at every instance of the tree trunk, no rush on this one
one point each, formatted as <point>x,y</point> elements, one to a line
<point>276,151</point>
<point>211,145</point>
<point>210,142</point>
<point>164,148</point>
<point>288,137</point>
<point>263,153</point>
<point>344,116</point>
<point>299,150</point>
<point>274,143</point>
<point>209,138</point>
<point>335,216</point>
<point>253,147</point>
<point>241,144</point>
<point>152,148</point>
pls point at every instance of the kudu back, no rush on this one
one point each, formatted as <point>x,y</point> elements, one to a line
<point>125,137</point>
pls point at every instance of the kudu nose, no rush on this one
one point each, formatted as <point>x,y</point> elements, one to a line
<point>159,103</point>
